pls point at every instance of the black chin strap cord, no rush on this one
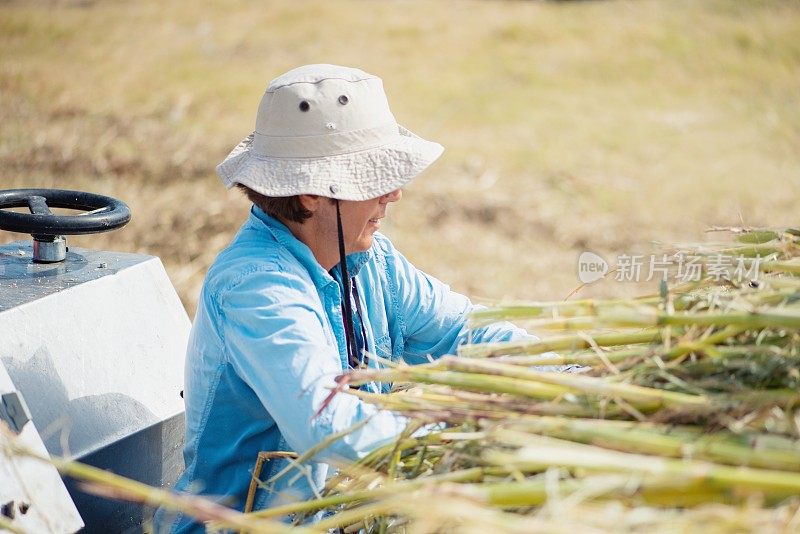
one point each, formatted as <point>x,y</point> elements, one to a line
<point>347,309</point>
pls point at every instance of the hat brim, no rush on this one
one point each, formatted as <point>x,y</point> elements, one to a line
<point>358,175</point>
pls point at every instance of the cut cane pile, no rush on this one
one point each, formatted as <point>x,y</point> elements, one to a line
<point>686,415</point>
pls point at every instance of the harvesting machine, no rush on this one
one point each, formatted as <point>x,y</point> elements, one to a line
<point>91,363</point>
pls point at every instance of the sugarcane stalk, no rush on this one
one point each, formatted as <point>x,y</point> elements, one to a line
<point>391,488</point>
<point>787,267</point>
<point>471,381</point>
<point>775,318</point>
<point>758,236</point>
<point>786,318</point>
<point>620,355</point>
<point>660,441</point>
<point>558,343</point>
<point>548,452</point>
<point>647,397</point>
<point>537,310</point>
<point>652,490</point>
<point>470,405</point>
<point>589,358</point>
<point>783,398</point>
<point>785,283</point>
<point>754,250</point>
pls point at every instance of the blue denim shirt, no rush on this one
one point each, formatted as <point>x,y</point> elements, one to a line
<point>268,341</point>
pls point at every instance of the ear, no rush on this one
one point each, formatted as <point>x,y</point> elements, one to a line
<point>310,202</point>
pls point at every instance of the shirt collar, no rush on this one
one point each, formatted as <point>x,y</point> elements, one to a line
<point>281,233</point>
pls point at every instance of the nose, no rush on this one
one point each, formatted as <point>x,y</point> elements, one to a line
<point>392,196</point>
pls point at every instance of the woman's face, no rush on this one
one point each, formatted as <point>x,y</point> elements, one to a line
<point>360,220</point>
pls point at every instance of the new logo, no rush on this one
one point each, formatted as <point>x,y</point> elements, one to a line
<point>591,267</point>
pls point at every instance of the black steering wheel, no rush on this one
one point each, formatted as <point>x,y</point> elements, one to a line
<point>102,213</point>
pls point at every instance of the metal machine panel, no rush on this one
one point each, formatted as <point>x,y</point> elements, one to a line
<point>23,281</point>
<point>32,496</point>
<point>96,344</point>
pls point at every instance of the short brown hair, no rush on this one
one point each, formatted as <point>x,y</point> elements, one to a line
<point>285,208</point>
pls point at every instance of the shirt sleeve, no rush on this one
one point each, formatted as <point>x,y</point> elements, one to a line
<point>274,339</point>
<point>435,317</point>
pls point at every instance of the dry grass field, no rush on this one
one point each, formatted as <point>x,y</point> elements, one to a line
<point>602,125</point>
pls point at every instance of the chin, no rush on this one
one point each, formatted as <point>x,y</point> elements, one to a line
<point>362,245</point>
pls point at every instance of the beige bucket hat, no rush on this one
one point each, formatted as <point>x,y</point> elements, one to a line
<point>327,130</point>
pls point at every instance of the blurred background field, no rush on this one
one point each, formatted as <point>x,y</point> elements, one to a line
<point>568,126</point>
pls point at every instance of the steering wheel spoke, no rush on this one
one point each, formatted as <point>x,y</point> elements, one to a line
<point>38,205</point>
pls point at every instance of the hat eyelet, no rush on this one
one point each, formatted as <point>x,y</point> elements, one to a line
<point>334,188</point>
<point>305,106</point>
<point>343,100</point>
